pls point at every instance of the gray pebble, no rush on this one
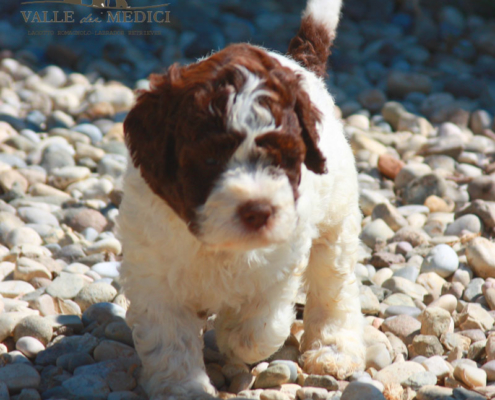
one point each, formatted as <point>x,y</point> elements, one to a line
<point>19,376</point>
<point>87,387</point>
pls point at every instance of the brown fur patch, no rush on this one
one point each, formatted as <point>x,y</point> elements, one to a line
<point>311,46</point>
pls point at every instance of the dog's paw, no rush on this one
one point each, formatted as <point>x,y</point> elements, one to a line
<point>328,360</point>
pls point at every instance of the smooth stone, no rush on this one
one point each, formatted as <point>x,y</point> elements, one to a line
<point>19,376</point>
<point>468,223</point>
<point>437,366</point>
<point>80,219</point>
<point>69,344</point>
<point>436,321</point>
<point>120,332</point>
<point>419,189</point>
<point>13,289</point>
<point>71,321</point>
<point>480,253</point>
<point>29,346</point>
<point>377,357</point>
<point>431,392</point>
<point>34,326</point>
<point>400,310</point>
<point>473,290</point>
<point>471,376</point>
<point>87,387</point>
<point>311,393</point>
<point>398,372</point>
<point>410,273</point>
<point>272,376</point>
<point>402,285</point>
<point>109,350</point>
<point>369,302</point>
<point>420,379</point>
<point>97,292</point>
<point>447,301</point>
<point>66,286</point>
<point>71,361</point>
<point>473,316</point>
<point>102,313</point>
<point>62,177</point>
<point>292,366</point>
<point>23,235</point>
<point>322,381</point>
<point>442,260</point>
<point>29,394</point>
<point>27,269</point>
<point>489,368</point>
<point>34,215</point>
<point>425,345</point>
<point>402,326</point>
<point>110,245</point>
<point>415,236</point>
<point>109,269</point>
<point>360,390</point>
<point>376,231</point>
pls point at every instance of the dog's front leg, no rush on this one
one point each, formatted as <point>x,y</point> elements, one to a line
<point>258,328</point>
<point>167,339</point>
<point>333,324</point>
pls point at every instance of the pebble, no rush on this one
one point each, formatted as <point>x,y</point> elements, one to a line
<point>376,231</point>
<point>19,376</point>
<point>97,292</point>
<point>480,253</point>
<point>471,376</point>
<point>34,326</point>
<point>377,357</point>
<point>102,313</point>
<point>29,346</point>
<point>66,286</point>
<point>361,390</point>
<point>109,350</point>
<point>398,372</point>
<point>87,386</point>
<point>322,381</point>
<point>273,376</point>
<point>436,321</point>
<point>442,260</point>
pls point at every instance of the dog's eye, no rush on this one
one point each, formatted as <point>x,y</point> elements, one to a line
<point>212,162</point>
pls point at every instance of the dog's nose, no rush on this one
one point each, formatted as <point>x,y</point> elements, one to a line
<point>255,214</point>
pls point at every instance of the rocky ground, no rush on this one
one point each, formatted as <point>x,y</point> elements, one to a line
<point>415,86</point>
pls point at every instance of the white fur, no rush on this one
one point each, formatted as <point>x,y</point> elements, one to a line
<point>249,280</point>
<point>326,12</point>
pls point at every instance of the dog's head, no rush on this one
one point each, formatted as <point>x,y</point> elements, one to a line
<point>222,141</point>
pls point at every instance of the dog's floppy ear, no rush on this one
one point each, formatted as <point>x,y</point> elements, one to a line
<point>309,116</point>
<point>150,136</point>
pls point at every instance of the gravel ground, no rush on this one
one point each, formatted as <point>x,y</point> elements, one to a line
<point>416,89</point>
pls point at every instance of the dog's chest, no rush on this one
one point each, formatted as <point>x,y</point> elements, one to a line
<point>214,281</point>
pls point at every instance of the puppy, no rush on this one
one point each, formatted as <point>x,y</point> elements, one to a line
<point>241,186</point>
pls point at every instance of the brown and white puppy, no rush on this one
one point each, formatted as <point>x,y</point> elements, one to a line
<point>241,185</point>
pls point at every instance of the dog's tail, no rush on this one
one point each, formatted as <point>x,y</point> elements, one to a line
<point>311,46</point>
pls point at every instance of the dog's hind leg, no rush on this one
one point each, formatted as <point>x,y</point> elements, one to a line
<point>333,324</point>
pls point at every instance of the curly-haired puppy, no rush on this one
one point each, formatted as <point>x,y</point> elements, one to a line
<point>241,186</point>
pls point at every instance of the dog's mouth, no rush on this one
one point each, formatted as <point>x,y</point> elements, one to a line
<point>252,228</point>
